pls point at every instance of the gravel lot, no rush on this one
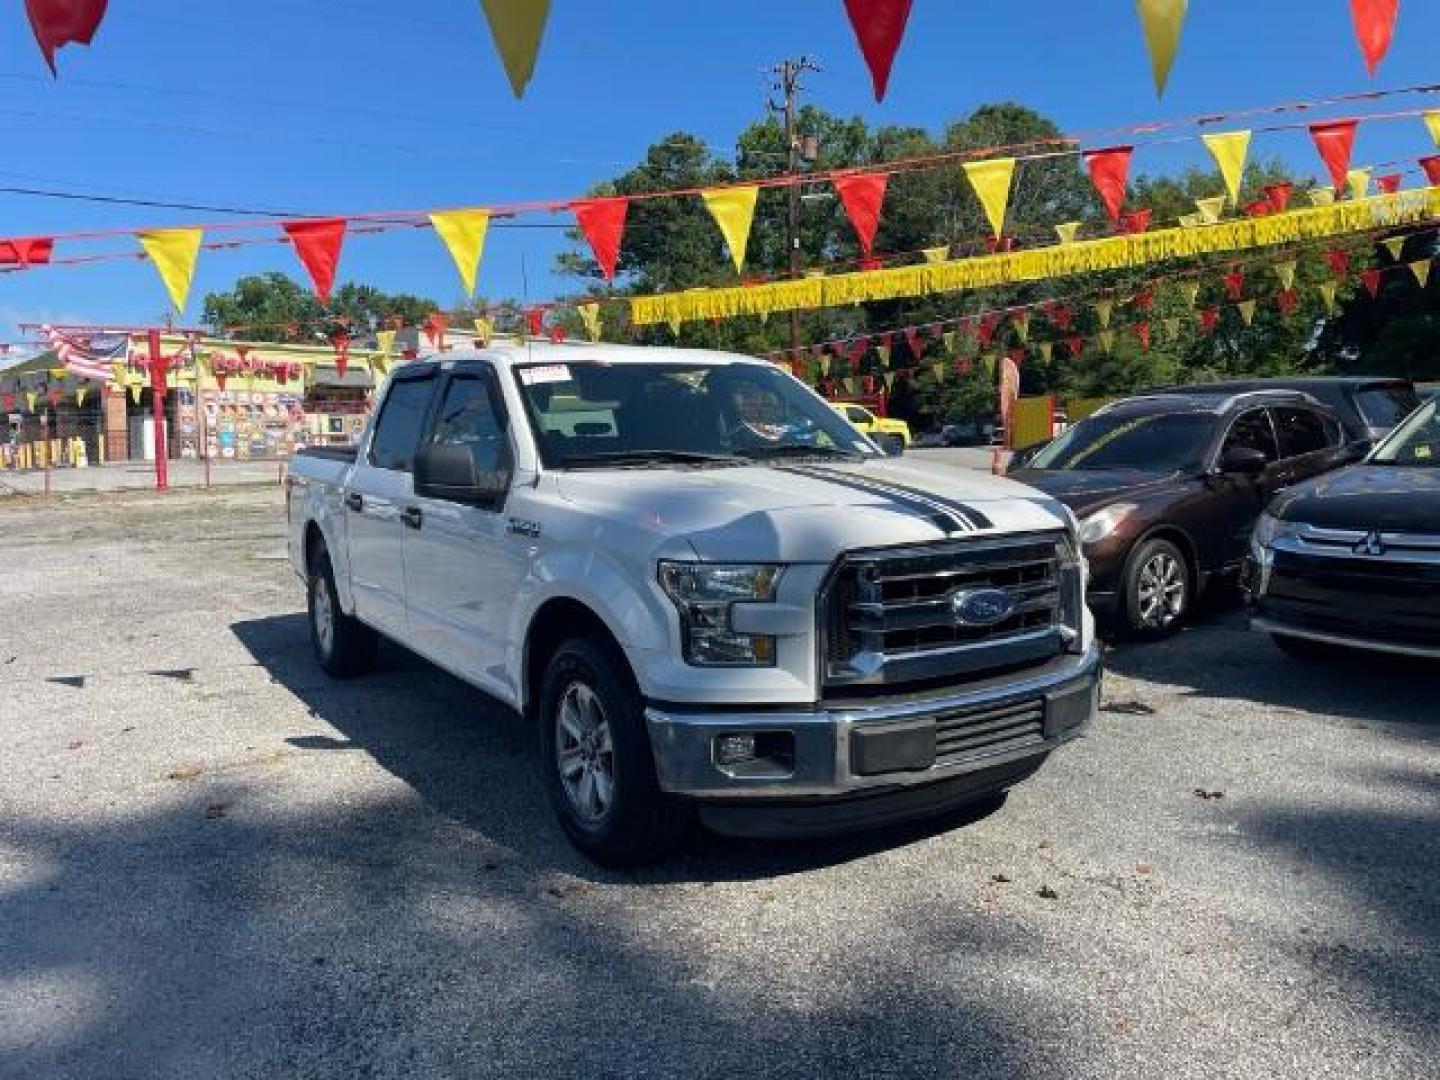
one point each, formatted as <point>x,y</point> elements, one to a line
<point>216,863</point>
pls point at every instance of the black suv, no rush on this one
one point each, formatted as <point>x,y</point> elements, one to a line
<point>1168,488</point>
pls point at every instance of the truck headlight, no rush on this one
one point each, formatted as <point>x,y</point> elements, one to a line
<point>1104,522</point>
<point>705,594</point>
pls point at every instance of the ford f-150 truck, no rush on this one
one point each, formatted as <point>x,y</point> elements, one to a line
<point>710,592</point>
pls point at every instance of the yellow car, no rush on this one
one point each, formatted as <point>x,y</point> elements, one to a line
<point>892,435</point>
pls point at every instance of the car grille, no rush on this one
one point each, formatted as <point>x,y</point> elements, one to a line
<point>890,616</point>
<point>966,736</point>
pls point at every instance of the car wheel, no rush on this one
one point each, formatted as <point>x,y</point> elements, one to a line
<point>344,646</point>
<point>1157,589</point>
<point>598,764</point>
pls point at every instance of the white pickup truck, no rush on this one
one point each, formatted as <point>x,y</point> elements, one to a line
<point>711,593</point>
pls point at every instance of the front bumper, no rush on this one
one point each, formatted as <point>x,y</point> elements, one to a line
<point>901,742</point>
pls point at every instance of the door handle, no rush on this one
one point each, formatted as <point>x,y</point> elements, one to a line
<point>413,518</point>
<point>355,501</point>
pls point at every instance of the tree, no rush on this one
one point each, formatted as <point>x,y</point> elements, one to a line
<point>274,307</point>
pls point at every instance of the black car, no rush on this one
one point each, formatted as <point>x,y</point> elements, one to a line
<point>1368,408</point>
<point>1353,559</point>
<point>1168,487</point>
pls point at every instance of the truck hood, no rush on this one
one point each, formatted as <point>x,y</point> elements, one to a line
<point>811,512</point>
<point>1393,498</point>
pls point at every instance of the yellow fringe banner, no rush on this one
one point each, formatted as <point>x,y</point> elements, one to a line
<point>1082,257</point>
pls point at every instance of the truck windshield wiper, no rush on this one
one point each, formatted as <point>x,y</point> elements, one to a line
<point>624,458</point>
<point>794,451</point>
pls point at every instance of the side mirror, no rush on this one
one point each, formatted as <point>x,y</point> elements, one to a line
<point>1243,461</point>
<point>448,472</point>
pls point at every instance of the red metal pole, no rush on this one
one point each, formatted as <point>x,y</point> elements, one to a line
<point>157,401</point>
<point>45,449</point>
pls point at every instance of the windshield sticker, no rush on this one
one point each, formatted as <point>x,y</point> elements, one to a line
<point>547,373</point>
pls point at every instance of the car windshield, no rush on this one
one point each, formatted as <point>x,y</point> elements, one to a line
<point>1385,406</point>
<point>1415,443</point>
<point>1160,443</point>
<point>589,414</point>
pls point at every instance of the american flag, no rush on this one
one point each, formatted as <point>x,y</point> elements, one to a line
<point>81,357</point>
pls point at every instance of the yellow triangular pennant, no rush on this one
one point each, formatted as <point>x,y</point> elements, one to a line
<point>1327,293</point>
<point>825,360</point>
<point>517,26</point>
<point>590,316</point>
<point>1107,341</point>
<point>1104,311</point>
<point>1172,328</point>
<point>1047,351</point>
<point>1163,21</point>
<point>80,393</point>
<point>1068,231</point>
<point>1191,221</point>
<point>118,372</point>
<point>1247,310</point>
<point>951,338</point>
<point>1211,209</point>
<point>1021,321</point>
<point>1322,196</point>
<point>1230,151</point>
<point>174,251</point>
<point>463,232</point>
<point>734,211</point>
<point>938,370</point>
<point>136,388</point>
<point>1421,270</point>
<point>31,397</point>
<point>1432,121</point>
<point>385,339</point>
<point>1190,290</point>
<point>1359,181</point>
<point>889,381</point>
<point>485,331</point>
<point>936,254</point>
<point>884,352</point>
<point>1395,246</point>
<point>991,181</point>
<point>1285,271</point>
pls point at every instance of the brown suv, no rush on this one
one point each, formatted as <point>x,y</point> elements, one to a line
<point>1168,487</point>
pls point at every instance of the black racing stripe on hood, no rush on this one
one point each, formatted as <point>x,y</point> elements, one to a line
<point>949,517</point>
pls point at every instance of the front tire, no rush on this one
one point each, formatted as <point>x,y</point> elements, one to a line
<point>344,646</point>
<point>599,771</point>
<point>1157,589</point>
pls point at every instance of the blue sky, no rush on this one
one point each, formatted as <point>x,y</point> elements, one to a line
<point>336,106</point>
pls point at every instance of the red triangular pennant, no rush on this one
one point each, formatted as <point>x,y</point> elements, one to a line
<point>879,27</point>
<point>1336,142</point>
<point>1133,222</point>
<point>435,327</point>
<point>1279,195</point>
<point>1076,345</point>
<point>985,331</point>
<point>1235,284</point>
<point>31,251</point>
<point>342,353</point>
<point>603,223</point>
<point>1060,315</point>
<point>1110,173</point>
<point>63,22</point>
<point>317,245</point>
<point>916,342</point>
<point>1375,27</point>
<point>1287,300</point>
<point>862,195</point>
<point>1339,262</point>
<point>1144,300</point>
<point>1259,208</point>
<point>1371,281</point>
<point>1388,184</point>
<point>1142,334</point>
<point>1431,165</point>
<point>1209,319</point>
<point>535,320</point>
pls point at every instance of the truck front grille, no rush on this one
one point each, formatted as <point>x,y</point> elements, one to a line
<point>897,617</point>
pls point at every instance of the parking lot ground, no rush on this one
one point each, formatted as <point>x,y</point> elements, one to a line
<point>214,862</point>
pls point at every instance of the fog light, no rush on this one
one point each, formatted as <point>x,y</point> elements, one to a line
<point>733,749</point>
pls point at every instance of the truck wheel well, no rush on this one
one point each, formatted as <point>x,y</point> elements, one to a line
<point>556,622</point>
<point>314,543</point>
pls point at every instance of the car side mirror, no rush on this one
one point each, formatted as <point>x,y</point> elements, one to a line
<point>1243,461</point>
<point>448,471</point>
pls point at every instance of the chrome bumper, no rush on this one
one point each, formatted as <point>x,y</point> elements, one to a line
<point>827,740</point>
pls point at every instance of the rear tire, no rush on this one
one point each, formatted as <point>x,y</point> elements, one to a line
<point>599,769</point>
<point>344,646</point>
<point>1158,590</point>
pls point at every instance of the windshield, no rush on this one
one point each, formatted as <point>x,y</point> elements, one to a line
<point>1159,443</point>
<point>590,415</point>
<point>1385,406</point>
<point>1416,442</point>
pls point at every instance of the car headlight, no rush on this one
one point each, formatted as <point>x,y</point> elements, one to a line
<point>1104,522</point>
<point>705,594</point>
<point>1270,529</point>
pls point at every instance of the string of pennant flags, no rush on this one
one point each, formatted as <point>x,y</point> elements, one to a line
<point>318,242</point>
<point>518,30</point>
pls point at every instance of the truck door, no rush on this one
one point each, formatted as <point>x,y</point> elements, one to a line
<point>462,567</point>
<point>380,490</point>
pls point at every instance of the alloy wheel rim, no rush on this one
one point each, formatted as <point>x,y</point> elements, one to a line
<point>1161,591</point>
<point>324,616</point>
<point>585,753</point>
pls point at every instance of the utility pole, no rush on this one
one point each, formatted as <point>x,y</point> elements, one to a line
<point>788,75</point>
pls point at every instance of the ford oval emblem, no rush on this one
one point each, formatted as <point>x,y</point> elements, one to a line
<point>983,607</point>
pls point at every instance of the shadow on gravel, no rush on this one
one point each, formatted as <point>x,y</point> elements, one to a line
<point>374,939</point>
<point>1219,657</point>
<point>475,761</point>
